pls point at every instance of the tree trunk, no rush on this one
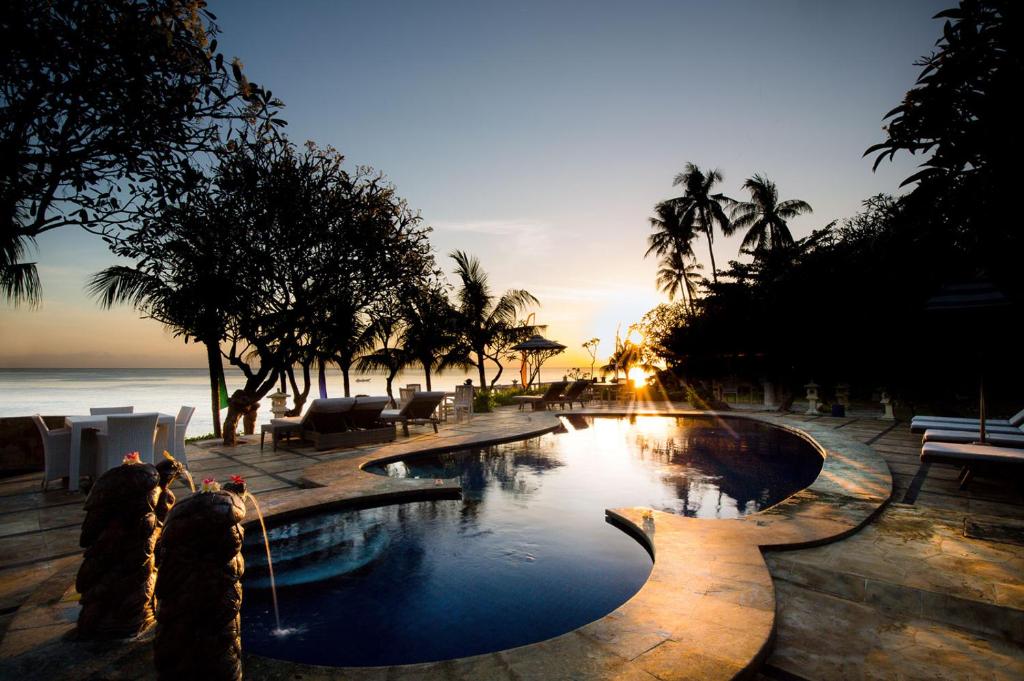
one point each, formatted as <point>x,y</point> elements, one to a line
<point>216,367</point>
<point>344,378</point>
<point>711,251</point>
<point>391,397</point>
<point>426,374</point>
<point>242,405</point>
<point>480,366</point>
<point>497,375</point>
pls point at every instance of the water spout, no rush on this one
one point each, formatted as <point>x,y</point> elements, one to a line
<point>278,631</point>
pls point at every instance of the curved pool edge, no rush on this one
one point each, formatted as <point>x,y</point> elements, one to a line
<point>707,609</point>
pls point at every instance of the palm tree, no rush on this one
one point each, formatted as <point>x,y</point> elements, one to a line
<point>699,209</point>
<point>764,217</point>
<point>669,233</point>
<point>388,358</point>
<point>189,311</point>
<point>482,317</point>
<point>679,277</point>
<point>19,281</point>
<point>428,332</point>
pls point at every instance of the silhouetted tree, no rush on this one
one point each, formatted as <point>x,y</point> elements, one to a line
<point>429,330</point>
<point>959,117</point>
<point>699,209</point>
<point>484,319</point>
<point>764,218</point>
<point>108,109</point>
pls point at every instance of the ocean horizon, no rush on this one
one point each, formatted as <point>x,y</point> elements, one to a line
<point>70,391</point>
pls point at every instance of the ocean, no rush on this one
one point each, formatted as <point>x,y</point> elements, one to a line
<point>73,391</point>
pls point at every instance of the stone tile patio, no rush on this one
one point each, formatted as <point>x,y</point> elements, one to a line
<point>908,596</point>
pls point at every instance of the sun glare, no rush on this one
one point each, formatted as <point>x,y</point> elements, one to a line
<point>638,376</point>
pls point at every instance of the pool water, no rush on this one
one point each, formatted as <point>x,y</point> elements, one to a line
<point>526,554</point>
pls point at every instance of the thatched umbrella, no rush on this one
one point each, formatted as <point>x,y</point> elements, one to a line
<point>536,350</point>
<point>969,309</point>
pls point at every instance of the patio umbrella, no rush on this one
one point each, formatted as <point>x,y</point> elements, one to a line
<point>971,307</point>
<point>537,349</point>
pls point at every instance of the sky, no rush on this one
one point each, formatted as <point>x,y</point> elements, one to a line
<point>538,136</point>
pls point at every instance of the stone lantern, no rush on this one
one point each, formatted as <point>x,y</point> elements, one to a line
<point>812,397</point>
<point>277,404</point>
<point>886,402</point>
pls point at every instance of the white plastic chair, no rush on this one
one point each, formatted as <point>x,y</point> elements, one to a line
<point>175,442</point>
<point>56,450</point>
<point>125,434</point>
<point>102,411</point>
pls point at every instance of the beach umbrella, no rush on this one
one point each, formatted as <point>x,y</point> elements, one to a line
<point>538,350</point>
<point>971,309</point>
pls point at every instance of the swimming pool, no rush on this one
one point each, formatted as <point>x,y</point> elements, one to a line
<point>525,555</point>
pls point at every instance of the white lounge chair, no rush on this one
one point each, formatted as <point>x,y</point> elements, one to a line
<point>100,411</point>
<point>175,442</point>
<point>421,409</point>
<point>969,457</point>
<point>972,436</point>
<point>921,423</point>
<point>126,433</point>
<point>56,450</point>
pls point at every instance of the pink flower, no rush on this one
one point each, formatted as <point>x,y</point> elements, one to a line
<point>132,457</point>
<point>238,479</point>
<point>210,485</point>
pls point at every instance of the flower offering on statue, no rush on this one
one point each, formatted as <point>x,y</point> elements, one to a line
<point>238,479</point>
<point>210,485</point>
<point>131,457</point>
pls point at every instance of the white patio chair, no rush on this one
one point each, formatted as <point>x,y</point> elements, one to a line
<point>125,434</point>
<point>175,442</point>
<point>56,450</point>
<point>101,411</point>
<point>463,402</point>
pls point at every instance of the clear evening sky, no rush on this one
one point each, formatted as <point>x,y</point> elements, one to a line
<point>538,136</point>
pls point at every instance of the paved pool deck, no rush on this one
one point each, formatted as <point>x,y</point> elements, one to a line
<point>885,584</point>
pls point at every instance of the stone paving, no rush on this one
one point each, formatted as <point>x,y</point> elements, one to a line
<point>909,596</point>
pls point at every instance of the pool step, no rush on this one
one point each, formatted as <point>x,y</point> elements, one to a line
<point>982,617</point>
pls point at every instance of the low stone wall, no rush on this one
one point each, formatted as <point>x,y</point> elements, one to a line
<point>21,448</point>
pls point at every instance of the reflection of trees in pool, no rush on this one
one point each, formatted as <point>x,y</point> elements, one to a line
<point>515,470</point>
<point>752,465</point>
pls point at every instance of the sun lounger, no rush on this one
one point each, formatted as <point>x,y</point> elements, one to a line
<point>574,394</point>
<point>322,416</point>
<point>971,436</point>
<point>922,423</point>
<point>421,408</point>
<point>970,457</point>
<point>540,402</point>
<point>921,426</point>
<point>359,424</point>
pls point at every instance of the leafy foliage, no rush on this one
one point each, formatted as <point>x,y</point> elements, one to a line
<point>108,110</point>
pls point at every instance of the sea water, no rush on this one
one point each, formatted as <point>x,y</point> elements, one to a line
<point>64,392</point>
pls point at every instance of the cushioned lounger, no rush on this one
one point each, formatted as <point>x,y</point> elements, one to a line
<point>919,423</point>
<point>970,456</point>
<point>970,436</point>
<point>964,455</point>
<point>921,426</point>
